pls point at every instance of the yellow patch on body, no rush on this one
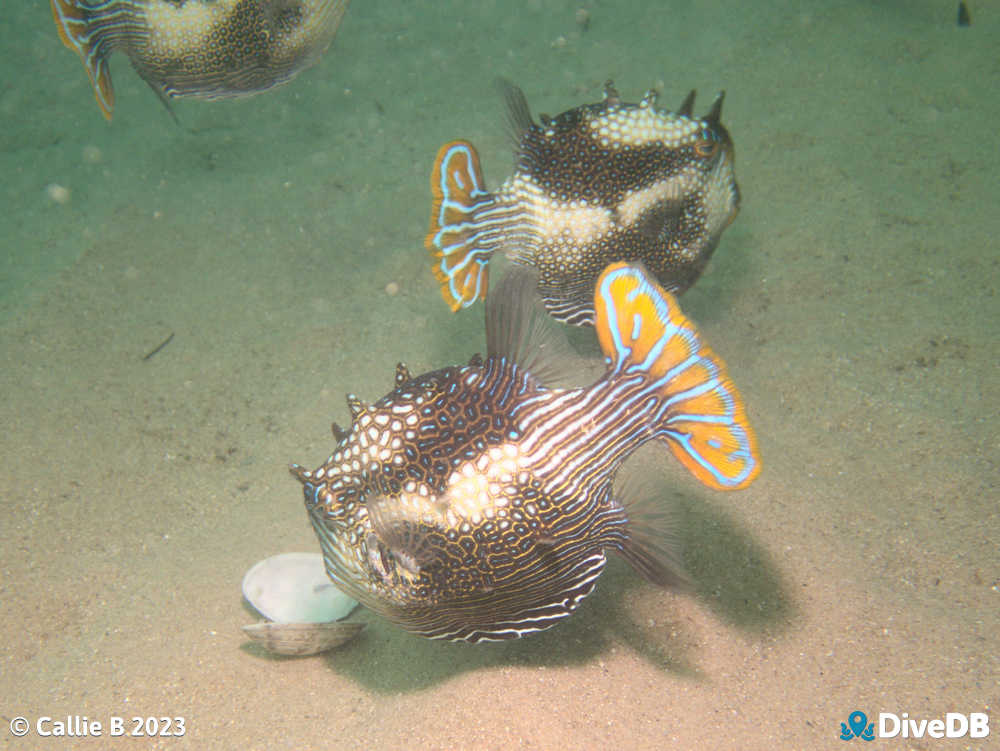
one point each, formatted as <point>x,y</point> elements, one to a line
<point>476,489</point>
<point>174,30</point>
<point>552,220</point>
<point>636,127</point>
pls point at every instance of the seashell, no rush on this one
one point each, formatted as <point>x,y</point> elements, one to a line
<point>294,588</point>
<point>301,605</point>
<point>300,639</point>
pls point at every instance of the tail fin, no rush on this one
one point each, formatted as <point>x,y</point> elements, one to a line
<point>455,240</point>
<point>699,413</point>
<point>88,35</point>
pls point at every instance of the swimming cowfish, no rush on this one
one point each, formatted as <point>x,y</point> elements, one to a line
<point>597,184</point>
<point>474,503</point>
<point>208,49</point>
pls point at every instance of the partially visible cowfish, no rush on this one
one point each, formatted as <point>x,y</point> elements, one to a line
<point>208,49</point>
<point>597,184</point>
<point>473,503</point>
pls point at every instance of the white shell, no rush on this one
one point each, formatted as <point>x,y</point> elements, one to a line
<point>302,638</point>
<point>294,588</point>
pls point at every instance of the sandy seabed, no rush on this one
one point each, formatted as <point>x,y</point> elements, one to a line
<point>854,298</point>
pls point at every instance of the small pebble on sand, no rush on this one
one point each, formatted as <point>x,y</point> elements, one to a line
<point>57,193</point>
<point>392,289</point>
<point>92,154</point>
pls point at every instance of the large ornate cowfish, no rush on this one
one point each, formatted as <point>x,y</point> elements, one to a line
<point>473,503</point>
<point>597,184</point>
<point>208,49</point>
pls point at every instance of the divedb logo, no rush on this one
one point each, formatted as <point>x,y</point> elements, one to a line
<point>890,725</point>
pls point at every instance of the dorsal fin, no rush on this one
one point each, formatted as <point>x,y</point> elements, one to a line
<point>518,114</point>
<point>519,330</point>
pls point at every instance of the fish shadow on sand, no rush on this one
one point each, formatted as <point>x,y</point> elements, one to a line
<point>731,575</point>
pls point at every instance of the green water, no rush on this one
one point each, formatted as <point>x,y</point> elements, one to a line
<point>854,299</point>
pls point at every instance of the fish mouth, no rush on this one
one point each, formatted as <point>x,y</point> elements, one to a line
<point>722,196</point>
<point>725,173</point>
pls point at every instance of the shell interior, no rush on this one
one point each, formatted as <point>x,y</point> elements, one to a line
<point>294,588</point>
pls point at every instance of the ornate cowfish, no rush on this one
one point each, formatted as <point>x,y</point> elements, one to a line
<point>597,184</point>
<point>474,503</point>
<point>208,49</point>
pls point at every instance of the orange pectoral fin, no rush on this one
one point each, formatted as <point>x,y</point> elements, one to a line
<point>457,194</point>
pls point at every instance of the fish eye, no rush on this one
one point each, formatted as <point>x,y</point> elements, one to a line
<point>706,147</point>
<point>379,558</point>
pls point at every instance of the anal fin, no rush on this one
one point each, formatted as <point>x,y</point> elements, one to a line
<point>651,546</point>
